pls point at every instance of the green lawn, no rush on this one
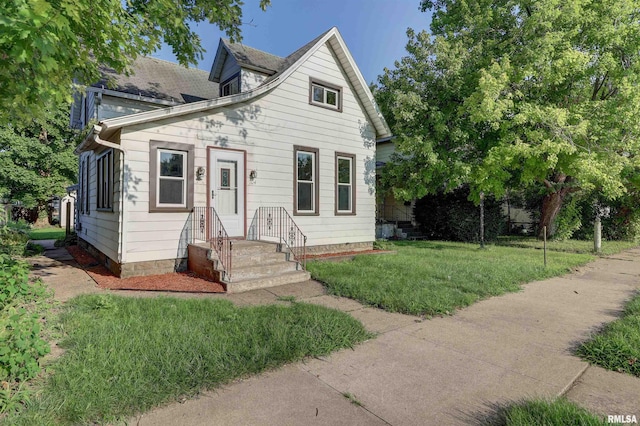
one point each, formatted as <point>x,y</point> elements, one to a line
<point>433,277</point>
<point>617,347</point>
<point>548,413</point>
<point>52,233</point>
<point>571,246</point>
<point>127,355</point>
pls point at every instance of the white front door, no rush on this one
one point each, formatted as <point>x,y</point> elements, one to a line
<point>226,189</point>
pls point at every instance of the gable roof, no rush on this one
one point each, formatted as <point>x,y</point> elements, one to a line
<point>163,80</point>
<point>290,64</point>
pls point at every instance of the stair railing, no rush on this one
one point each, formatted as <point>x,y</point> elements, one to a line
<point>208,227</point>
<point>276,222</point>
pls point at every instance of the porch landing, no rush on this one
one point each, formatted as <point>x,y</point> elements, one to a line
<point>255,264</point>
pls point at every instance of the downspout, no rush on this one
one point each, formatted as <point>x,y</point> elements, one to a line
<point>122,240</point>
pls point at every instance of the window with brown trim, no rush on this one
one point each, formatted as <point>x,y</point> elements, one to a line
<point>345,188</point>
<point>325,95</point>
<point>306,182</point>
<point>170,177</point>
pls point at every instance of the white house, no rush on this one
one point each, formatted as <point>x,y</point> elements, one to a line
<point>280,149</point>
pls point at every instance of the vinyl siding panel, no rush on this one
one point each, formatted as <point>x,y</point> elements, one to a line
<point>112,107</point>
<point>101,228</point>
<point>267,130</point>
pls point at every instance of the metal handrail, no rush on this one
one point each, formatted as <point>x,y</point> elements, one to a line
<point>276,222</point>
<point>208,227</point>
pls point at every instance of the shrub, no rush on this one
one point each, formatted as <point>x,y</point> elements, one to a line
<point>19,329</point>
<point>14,237</point>
<point>451,216</point>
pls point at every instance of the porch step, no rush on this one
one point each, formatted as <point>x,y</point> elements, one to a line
<point>255,264</point>
<point>273,281</point>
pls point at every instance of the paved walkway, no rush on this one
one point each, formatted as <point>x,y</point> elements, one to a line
<point>444,371</point>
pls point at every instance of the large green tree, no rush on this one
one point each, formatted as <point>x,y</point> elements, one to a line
<point>518,93</point>
<point>46,44</point>
<point>37,160</point>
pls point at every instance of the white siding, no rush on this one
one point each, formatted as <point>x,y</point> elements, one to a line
<point>249,80</point>
<point>101,228</point>
<point>267,129</point>
<point>112,107</point>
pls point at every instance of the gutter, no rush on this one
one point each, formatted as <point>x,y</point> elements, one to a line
<point>94,138</point>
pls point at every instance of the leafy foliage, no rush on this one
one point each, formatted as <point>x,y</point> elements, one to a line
<point>514,94</point>
<point>452,217</point>
<point>19,328</point>
<point>37,158</point>
<point>46,44</point>
<point>14,237</point>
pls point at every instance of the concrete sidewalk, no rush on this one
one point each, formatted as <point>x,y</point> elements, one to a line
<point>451,370</point>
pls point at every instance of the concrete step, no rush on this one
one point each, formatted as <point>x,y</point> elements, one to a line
<point>237,286</point>
<point>261,270</point>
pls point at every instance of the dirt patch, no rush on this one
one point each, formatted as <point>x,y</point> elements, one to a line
<point>176,281</point>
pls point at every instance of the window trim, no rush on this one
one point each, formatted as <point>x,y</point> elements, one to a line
<point>154,148</point>
<point>316,182</point>
<point>229,81</point>
<point>352,158</point>
<point>104,194</point>
<point>315,82</point>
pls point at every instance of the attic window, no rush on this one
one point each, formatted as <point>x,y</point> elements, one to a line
<point>231,86</point>
<point>325,95</point>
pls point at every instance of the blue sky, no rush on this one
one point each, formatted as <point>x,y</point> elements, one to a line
<point>374,30</point>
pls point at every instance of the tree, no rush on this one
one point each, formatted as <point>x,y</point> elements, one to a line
<point>37,160</point>
<point>518,93</point>
<point>45,45</point>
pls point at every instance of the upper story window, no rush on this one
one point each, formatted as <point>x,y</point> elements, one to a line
<point>230,86</point>
<point>325,95</point>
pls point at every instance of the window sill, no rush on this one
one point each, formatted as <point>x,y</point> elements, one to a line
<point>105,210</point>
<point>169,210</point>
<point>326,106</point>
<point>345,213</point>
<point>306,214</point>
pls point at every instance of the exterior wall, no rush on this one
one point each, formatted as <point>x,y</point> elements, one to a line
<point>249,80</point>
<point>267,129</point>
<point>384,151</point>
<point>229,68</point>
<point>98,227</point>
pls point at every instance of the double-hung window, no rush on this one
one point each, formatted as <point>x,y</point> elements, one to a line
<point>325,95</point>
<point>104,179</point>
<point>345,184</point>
<point>306,180</point>
<point>170,177</point>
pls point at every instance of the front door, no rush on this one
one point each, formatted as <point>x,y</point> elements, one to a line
<point>226,189</point>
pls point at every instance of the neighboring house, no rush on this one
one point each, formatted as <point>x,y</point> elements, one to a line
<point>282,149</point>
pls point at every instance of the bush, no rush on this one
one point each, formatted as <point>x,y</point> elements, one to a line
<point>453,217</point>
<point>19,329</point>
<point>14,237</point>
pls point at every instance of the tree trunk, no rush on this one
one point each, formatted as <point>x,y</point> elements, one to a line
<point>551,205</point>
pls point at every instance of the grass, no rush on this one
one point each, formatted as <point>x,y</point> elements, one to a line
<point>52,233</point>
<point>569,246</point>
<point>127,355</point>
<point>617,347</point>
<point>433,277</point>
<point>547,413</point>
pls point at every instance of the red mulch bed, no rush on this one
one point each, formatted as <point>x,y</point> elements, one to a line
<point>177,281</point>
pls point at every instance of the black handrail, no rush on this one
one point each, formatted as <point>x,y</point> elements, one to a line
<point>275,222</point>
<point>208,227</point>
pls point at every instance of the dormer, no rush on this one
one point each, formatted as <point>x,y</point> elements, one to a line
<point>239,68</point>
